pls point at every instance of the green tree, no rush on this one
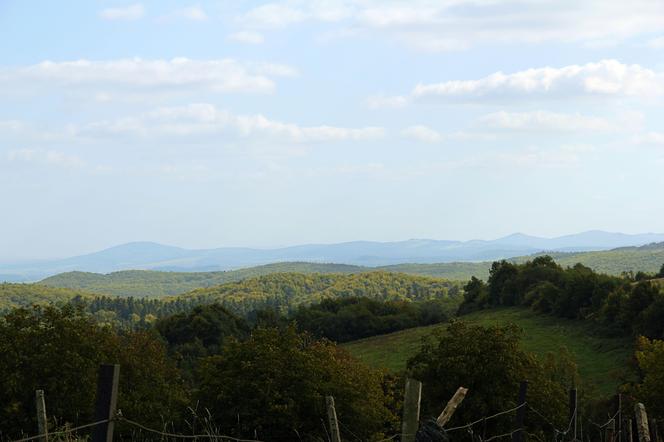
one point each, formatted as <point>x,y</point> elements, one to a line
<point>273,386</point>
<point>490,362</point>
<point>60,350</point>
<point>650,359</point>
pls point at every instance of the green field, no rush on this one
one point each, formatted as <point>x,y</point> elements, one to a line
<point>599,359</point>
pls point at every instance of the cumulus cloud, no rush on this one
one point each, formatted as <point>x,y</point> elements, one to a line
<point>193,13</point>
<point>543,121</point>
<point>49,157</point>
<point>422,133</point>
<point>602,79</point>
<point>206,119</point>
<point>130,12</point>
<point>136,75</point>
<point>656,43</point>
<point>249,37</point>
<point>457,24</point>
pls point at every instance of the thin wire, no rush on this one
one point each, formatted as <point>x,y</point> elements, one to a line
<point>486,418</point>
<point>67,431</point>
<point>183,436</point>
<point>503,435</point>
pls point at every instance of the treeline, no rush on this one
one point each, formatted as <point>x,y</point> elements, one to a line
<point>620,304</point>
<point>349,319</point>
<point>286,292</point>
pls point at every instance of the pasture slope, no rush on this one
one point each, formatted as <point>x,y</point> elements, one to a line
<point>600,360</point>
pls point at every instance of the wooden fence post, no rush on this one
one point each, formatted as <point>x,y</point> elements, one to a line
<point>332,418</point>
<point>107,399</point>
<point>573,403</point>
<point>411,410</point>
<point>642,423</point>
<point>630,431</point>
<point>620,422</point>
<point>451,406</point>
<point>42,421</point>
<point>517,436</point>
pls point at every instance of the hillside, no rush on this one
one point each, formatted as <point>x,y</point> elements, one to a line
<point>286,291</point>
<point>599,359</point>
<point>20,295</point>
<point>143,283</point>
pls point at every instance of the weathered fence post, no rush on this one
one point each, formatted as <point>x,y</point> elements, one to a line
<point>332,418</point>
<point>620,423</point>
<point>107,399</point>
<point>630,431</point>
<point>573,412</point>
<point>517,436</point>
<point>42,421</point>
<point>642,423</point>
<point>611,431</point>
<point>411,410</point>
<point>451,406</point>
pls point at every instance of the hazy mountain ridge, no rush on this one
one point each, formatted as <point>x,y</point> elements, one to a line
<point>153,256</point>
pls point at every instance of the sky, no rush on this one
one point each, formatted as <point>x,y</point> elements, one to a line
<point>263,124</point>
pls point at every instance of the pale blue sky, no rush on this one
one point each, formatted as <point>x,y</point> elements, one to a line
<point>219,123</point>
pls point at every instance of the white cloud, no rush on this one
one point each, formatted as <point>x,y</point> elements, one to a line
<point>422,133</point>
<point>651,138</point>
<point>50,157</point>
<point>544,121</point>
<point>130,12</point>
<point>444,25</point>
<point>205,119</point>
<point>148,76</point>
<point>656,43</point>
<point>249,37</point>
<point>193,13</point>
<point>602,79</point>
<point>11,125</point>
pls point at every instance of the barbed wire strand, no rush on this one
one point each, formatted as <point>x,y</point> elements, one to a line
<point>511,410</point>
<point>66,431</point>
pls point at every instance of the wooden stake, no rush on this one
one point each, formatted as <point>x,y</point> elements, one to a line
<point>332,418</point>
<point>451,406</point>
<point>107,399</point>
<point>573,403</point>
<point>411,410</point>
<point>42,421</point>
<point>517,436</point>
<point>611,431</point>
<point>642,423</point>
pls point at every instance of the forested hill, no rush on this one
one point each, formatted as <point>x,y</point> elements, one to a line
<point>287,291</point>
<point>140,283</point>
<point>17,295</point>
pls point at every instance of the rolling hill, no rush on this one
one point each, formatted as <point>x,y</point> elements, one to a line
<point>599,359</point>
<point>21,295</point>
<point>153,256</point>
<point>140,283</point>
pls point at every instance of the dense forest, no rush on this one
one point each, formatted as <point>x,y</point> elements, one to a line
<point>148,283</point>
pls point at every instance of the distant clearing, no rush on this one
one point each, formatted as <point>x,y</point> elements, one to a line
<point>599,359</point>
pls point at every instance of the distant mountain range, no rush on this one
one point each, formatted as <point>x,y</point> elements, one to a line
<point>153,256</point>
